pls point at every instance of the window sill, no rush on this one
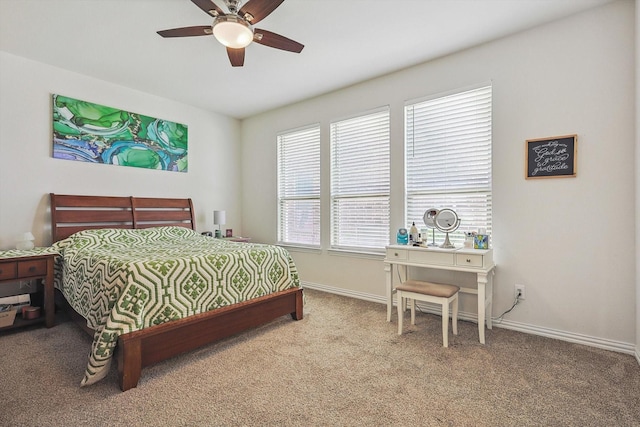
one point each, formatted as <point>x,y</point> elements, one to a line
<point>296,248</point>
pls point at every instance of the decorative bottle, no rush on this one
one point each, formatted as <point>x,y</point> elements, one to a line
<point>413,233</point>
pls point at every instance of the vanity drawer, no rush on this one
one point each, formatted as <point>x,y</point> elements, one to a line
<point>397,254</point>
<point>32,268</point>
<point>8,270</point>
<point>468,260</point>
<point>428,257</point>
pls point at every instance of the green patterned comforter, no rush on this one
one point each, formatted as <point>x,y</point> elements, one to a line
<point>126,280</point>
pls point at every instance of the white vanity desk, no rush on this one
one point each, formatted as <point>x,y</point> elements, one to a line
<point>476,261</point>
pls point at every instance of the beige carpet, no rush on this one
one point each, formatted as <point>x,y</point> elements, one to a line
<point>343,365</point>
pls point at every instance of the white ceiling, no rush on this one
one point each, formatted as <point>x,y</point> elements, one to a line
<point>346,41</point>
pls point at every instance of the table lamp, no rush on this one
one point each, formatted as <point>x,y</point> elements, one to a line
<point>25,241</point>
<point>219,218</point>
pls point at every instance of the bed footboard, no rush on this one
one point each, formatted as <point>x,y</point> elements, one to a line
<point>151,345</point>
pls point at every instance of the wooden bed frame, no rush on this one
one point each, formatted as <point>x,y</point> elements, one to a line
<point>135,350</point>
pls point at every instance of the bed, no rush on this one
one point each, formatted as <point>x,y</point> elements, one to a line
<point>149,287</point>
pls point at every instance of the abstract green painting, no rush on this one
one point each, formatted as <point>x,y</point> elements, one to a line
<point>89,132</point>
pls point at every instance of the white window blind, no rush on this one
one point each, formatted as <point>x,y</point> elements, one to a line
<point>360,182</point>
<point>448,159</point>
<point>299,187</point>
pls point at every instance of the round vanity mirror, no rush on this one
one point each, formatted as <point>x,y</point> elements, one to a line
<point>429,219</point>
<point>447,221</point>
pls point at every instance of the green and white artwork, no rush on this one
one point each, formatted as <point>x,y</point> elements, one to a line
<point>89,132</point>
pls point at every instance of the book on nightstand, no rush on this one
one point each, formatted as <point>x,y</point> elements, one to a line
<point>17,301</point>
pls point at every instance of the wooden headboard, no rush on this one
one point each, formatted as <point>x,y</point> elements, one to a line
<point>70,214</point>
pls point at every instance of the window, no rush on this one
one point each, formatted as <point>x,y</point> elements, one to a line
<point>448,159</point>
<point>299,187</point>
<point>360,182</point>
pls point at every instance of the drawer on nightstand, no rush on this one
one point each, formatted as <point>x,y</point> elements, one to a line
<point>469,260</point>
<point>8,270</point>
<point>32,268</point>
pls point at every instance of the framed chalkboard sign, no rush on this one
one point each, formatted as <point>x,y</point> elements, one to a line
<point>551,157</point>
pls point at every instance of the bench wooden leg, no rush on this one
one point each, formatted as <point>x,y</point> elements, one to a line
<point>445,323</point>
<point>454,319</point>
<point>400,312</point>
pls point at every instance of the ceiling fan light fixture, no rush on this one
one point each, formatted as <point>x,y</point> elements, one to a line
<point>232,31</point>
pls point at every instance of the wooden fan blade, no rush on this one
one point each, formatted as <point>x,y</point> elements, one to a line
<point>209,7</point>
<point>200,30</point>
<point>236,56</point>
<point>270,39</point>
<point>258,9</point>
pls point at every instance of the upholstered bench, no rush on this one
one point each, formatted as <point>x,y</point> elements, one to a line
<point>429,292</point>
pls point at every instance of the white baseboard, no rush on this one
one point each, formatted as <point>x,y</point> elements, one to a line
<point>617,346</point>
<point>343,292</point>
<point>606,344</point>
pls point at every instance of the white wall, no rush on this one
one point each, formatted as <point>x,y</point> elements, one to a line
<point>29,173</point>
<point>571,240</point>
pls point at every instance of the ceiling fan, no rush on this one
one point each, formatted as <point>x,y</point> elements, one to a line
<point>235,29</point>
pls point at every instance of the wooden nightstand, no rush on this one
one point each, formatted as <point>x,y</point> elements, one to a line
<point>28,267</point>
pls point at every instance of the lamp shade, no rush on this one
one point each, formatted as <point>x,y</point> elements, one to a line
<point>25,241</point>
<point>219,217</point>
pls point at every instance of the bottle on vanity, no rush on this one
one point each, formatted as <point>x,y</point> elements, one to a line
<point>413,233</point>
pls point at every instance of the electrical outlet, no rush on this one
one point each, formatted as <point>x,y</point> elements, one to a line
<point>519,290</point>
